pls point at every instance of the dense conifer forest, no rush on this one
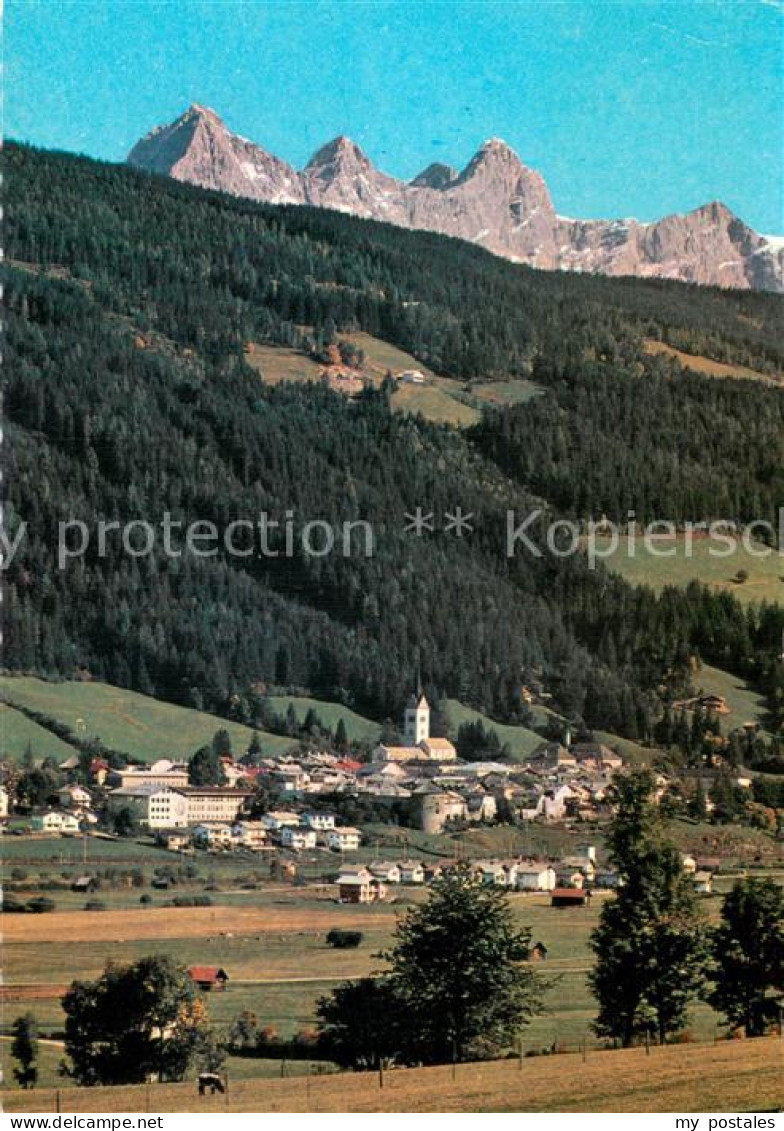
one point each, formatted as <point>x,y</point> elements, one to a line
<point>129,303</point>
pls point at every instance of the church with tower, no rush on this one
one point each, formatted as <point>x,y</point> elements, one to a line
<point>419,745</point>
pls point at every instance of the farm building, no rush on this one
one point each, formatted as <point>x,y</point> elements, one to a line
<point>84,884</point>
<point>209,978</point>
<point>569,897</point>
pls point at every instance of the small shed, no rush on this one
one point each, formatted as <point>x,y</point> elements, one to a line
<point>209,978</point>
<point>84,884</point>
<point>538,952</point>
<point>569,897</point>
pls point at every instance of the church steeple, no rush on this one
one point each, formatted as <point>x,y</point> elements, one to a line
<point>417,718</point>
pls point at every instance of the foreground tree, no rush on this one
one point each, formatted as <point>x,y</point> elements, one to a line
<point>748,948</point>
<point>650,943</point>
<point>24,1050</point>
<point>457,986</point>
<point>362,1024</point>
<point>132,1022</point>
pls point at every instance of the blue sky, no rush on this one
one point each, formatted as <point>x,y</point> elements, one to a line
<point>627,108</point>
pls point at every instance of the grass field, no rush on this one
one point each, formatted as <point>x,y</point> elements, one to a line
<point>440,400</point>
<point>746,705</point>
<point>707,365</point>
<point>358,728</point>
<point>521,740</point>
<point>276,363</point>
<point>435,404</point>
<point>272,944</point>
<point>727,1076</point>
<point>124,720</point>
<point>698,562</point>
<point>18,733</point>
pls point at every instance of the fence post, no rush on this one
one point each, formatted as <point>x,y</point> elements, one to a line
<point>227,1089</point>
<point>381,1072</point>
<point>57,1100</point>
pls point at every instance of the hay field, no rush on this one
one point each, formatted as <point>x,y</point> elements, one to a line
<point>707,365</point>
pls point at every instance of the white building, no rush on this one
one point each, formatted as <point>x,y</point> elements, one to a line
<point>250,834</point>
<point>343,839</point>
<point>74,797</point>
<point>3,802</point>
<point>298,839</point>
<point>53,822</point>
<point>535,877</point>
<point>321,822</point>
<point>412,872</point>
<point>280,819</point>
<point>155,806</point>
<point>213,836</point>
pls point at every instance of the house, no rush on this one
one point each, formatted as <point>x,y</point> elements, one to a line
<point>74,797</point>
<point>480,806</point>
<point>689,864</point>
<point>411,377</point>
<point>356,884</point>
<point>569,897</point>
<point>343,839</point>
<point>321,822</point>
<point>535,877</point>
<point>568,877</point>
<point>54,822</point>
<point>3,802</point>
<point>298,839</point>
<point>279,819</point>
<point>250,834</point>
<point>210,979</point>
<point>490,872</point>
<point>606,878</point>
<point>175,840</point>
<point>582,864</point>
<point>703,882</point>
<point>383,870</point>
<point>538,952</point>
<point>212,836</point>
<point>412,872</point>
<point>551,755</point>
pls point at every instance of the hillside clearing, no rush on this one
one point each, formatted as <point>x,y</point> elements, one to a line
<point>701,364</point>
<point>136,724</point>
<point>677,562</point>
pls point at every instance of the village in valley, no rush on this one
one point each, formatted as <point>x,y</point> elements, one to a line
<point>286,811</point>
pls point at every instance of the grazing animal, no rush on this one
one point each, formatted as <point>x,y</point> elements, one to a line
<point>211,1081</point>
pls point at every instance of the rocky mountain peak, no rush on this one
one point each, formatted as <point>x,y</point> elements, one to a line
<point>436,176</point>
<point>496,201</point>
<point>341,151</point>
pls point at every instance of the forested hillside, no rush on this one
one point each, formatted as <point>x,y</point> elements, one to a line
<point>130,301</point>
